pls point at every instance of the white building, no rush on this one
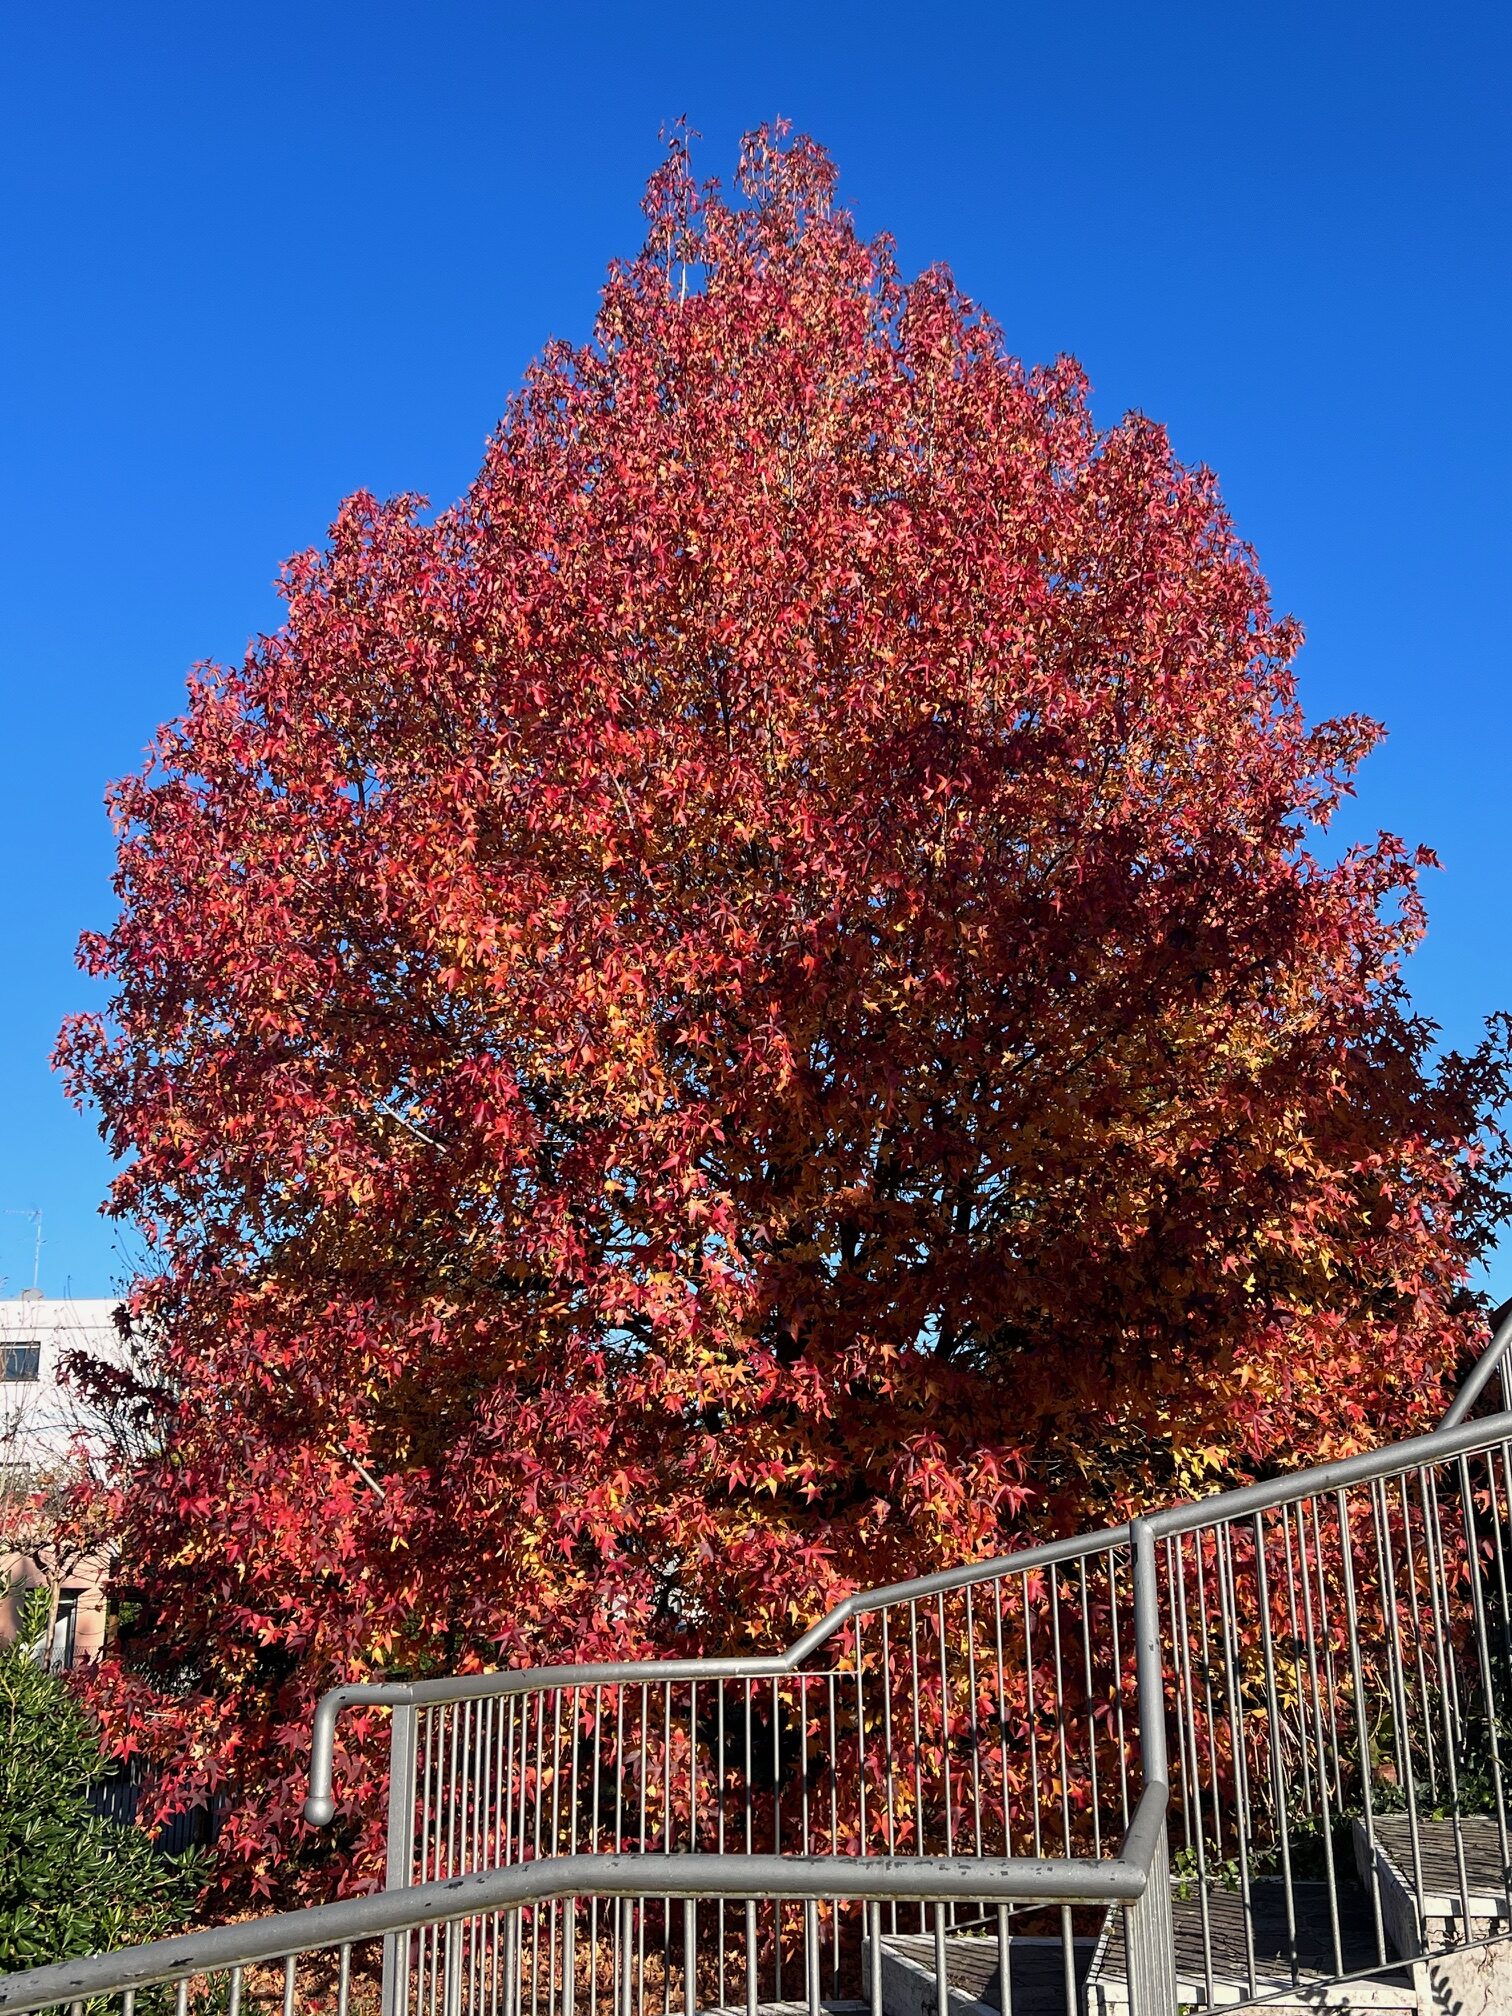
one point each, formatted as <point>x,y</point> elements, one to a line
<point>41,1421</point>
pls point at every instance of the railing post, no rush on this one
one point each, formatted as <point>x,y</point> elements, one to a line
<point>400,1871</point>
<point>1149,1942</point>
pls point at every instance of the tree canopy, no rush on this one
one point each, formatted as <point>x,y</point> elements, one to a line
<point>758,1006</point>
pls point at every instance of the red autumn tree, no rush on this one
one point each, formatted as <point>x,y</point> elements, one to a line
<point>747,1010</point>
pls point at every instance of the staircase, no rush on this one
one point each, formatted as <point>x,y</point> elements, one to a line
<point>1245,1752</point>
<point>1229,1956</point>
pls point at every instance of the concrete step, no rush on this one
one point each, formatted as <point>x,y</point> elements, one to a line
<point>1214,1922</point>
<point>1253,1956</point>
<point>1456,1863</point>
<point>1037,1974</point>
<point>829,2006</point>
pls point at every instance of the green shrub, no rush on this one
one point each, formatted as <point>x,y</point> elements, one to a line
<point>71,1881</point>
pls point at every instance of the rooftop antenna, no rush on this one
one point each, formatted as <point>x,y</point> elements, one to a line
<point>15,1211</point>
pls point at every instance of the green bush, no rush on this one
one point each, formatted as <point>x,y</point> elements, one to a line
<point>71,1881</point>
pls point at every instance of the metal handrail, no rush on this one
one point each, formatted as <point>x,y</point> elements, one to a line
<point>320,1807</point>
<point>1454,1437</point>
<point>1127,1880</point>
<point>1019,1880</point>
<point>1480,1377</point>
<point>1244,1500</point>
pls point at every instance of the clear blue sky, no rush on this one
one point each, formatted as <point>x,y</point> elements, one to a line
<point>255,257</point>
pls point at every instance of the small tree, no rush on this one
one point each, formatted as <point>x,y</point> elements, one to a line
<point>71,1881</point>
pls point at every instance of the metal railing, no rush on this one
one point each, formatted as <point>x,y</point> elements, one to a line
<point>327,1957</point>
<point>1332,1683</point>
<point>1337,1669</point>
<point>1301,1684</point>
<point>964,1713</point>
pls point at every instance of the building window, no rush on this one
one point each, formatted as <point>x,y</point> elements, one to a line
<point>60,1650</point>
<point>20,1362</point>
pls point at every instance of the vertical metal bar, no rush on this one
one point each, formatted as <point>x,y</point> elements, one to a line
<point>1033,1718</point>
<point>887,1750</point>
<point>1061,1717</point>
<point>945,1730</point>
<point>692,1766</point>
<point>399,1867</point>
<point>832,1846</point>
<point>976,1734</point>
<point>595,1823</point>
<point>1002,1710</point>
<point>777,1833</point>
<point>1362,1719</point>
<point>1433,1538</point>
<point>1116,1653</point>
<point>557,1909</point>
<point>1299,1677</point>
<point>1325,1806</point>
<point>471,1711</point>
<point>453,1802</point>
<point>1326,1639</point>
<point>616,1751</point>
<point>1214,1774</point>
<point>1153,1912</point>
<point>504,1808</point>
<point>1419,1635</point>
<point>805,1843</point>
<point>719,1776</point>
<point>920,1842</point>
<point>1086,1632</point>
<point>1186,1742</point>
<point>481,1726</point>
<point>1448,1693</point>
<point>486,1853</point>
<point>748,1775</point>
<point>452,1986</point>
<point>503,1842</point>
<point>1228,1627</point>
<point>512,1962</point>
<point>574,1738</point>
<point>1068,1958</point>
<point>666,1914</point>
<point>645,1773</point>
<point>1192,1834</point>
<point>1488,1686</point>
<point>1276,1761</point>
<point>426,1942</point>
<point>1500,1533</point>
<point>863,1831</point>
<point>538,1807</point>
<point>1381,1520</point>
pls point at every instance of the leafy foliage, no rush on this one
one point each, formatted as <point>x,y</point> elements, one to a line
<point>754,1007</point>
<point>71,1881</point>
